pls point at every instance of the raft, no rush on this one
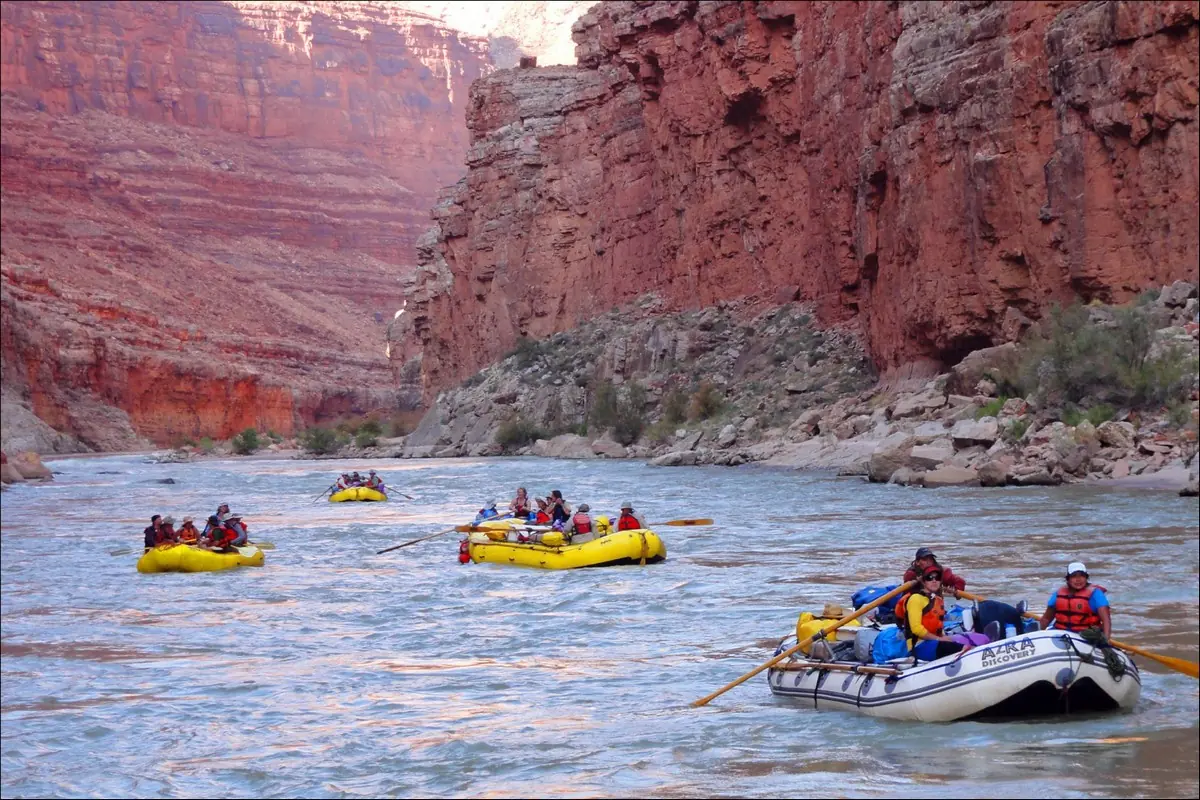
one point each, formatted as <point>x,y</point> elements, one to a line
<point>613,549</point>
<point>356,493</point>
<point>186,558</point>
<point>1033,674</point>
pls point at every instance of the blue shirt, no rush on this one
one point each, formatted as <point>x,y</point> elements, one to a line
<point>1097,600</point>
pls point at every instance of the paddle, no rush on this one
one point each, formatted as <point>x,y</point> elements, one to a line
<point>819,635</point>
<point>321,496</point>
<point>414,541</point>
<point>681,522</point>
<point>1178,664</point>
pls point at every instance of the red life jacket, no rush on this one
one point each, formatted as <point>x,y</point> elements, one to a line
<point>542,518</point>
<point>582,522</point>
<point>628,522</point>
<point>1073,611</point>
<point>520,507</point>
<point>932,617</point>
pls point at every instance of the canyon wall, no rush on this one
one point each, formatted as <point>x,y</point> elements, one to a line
<point>209,208</point>
<point>939,172</point>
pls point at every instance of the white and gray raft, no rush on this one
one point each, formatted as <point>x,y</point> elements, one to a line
<point>1030,675</point>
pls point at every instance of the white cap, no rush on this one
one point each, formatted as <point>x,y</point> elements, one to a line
<point>1076,566</point>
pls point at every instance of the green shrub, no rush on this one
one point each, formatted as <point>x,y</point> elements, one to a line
<point>245,442</point>
<point>1071,416</point>
<point>706,402</point>
<point>630,420</point>
<point>1180,414</point>
<point>991,408</point>
<point>517,433</point>
<point>371,427</point>
<point>1015,430</point>
<point>1100,413</point>
<point>364,438</point>
<point>674,407</point>
<point>321,441</point>
<point>274,436</point>
<point>604,409</point>
<point>206,445</point>
<point>527,352</point>
<point>661,432</point>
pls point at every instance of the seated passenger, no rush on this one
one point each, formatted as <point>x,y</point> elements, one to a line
<point>187,532</point>
<point>487,512</point>
<point>920,614</point>
<point>629,521</point>
<point>520,506</point>
<point>1079,605</point>
<point>356,479</point>
<point>560,512</point>
<point>580,526</point>
<point>150,535</point>
<point>375,482</point>
<point>542,515</point>
<point>926,559</point>
<point>216,536</point>
<point>343,482</point>
<point>233,523</point>
<point>167,533</point>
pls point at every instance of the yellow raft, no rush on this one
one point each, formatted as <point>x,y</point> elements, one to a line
<point>185,558</point>
<point>613,549</point>
<point>356,493</point>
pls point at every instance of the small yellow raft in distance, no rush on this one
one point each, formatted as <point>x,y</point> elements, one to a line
<point>356,493</point>
<point>185,558</point>
<point>613,549</point>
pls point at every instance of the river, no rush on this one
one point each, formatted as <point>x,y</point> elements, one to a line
<point>335,672</point>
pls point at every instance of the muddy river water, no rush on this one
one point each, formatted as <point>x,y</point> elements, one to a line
<point>335,672</point>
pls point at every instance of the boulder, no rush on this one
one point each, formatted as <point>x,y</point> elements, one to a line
<point>853,426</point>
<point>1032,475</point>
<point>930,456</point>
<point>1191,488</point>
<point>951,476</point>
<point>1117,434</point>
<point>748,426</point>
<point>981,431</point>
<point>888,456</point>
<point>30,465</point>
<point>727,436</point>
<point>10,474</point>
<point>998,360</point>
<point>1076,462</point>
<point>1177,294</point>
<point>917,404</point>
<point>1014,407</point>
<point>906,476</point>
<point>926,432</point>
<point>568,445</point>
<point>993,473</point>
<point>677,458</point>
<point>607,448</point>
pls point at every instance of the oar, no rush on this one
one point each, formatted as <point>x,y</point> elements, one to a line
<point>414,541</point>
<point>402,494</point>
<point>681,522</point>
<point>322,494</point>
<point>819,635</point>
<point>1177,664</point>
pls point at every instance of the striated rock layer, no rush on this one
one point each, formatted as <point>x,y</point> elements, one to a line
<point>938,172</point>
<point>209,207</point>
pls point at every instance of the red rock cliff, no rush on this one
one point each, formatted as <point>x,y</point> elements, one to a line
<point>938,171</point>
<point>209,207</point>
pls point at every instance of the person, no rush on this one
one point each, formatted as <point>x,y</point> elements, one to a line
<point>233,523</point>
<point>520,504</point>
<point>580,528</point>
<point>487,512</point>
<point>343,482</point>
<point>542,515</point>
<point>920,614</point>
<point>216,535</point>
<point>560,512</point>
<point>187,532</point>
<point>628,521</point>
<point>375,482</point>
<point>151,533</point>
<point>1079,604</point>
<point>926,559</point>
<point>356,479</point>
<point>167,531</point>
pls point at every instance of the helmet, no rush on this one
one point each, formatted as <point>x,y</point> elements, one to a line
<point>584,507</point>
<point>1076,566</point>
<point>924,552</point>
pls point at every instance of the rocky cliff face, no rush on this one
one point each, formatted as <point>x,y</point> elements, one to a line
<point>939,172</point>
<point>209,207</point>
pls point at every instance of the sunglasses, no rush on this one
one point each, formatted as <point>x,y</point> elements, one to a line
<point>932,578</point>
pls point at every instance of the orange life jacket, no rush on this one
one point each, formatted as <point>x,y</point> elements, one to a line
<point>628,522</point>
<point>932,617</point>
<point>188,535</point>
<point>582,522</point>
<point>542,518</point>
<point>1073,611</point>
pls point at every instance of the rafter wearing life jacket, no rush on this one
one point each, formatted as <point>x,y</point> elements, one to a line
<point>1073,610</point>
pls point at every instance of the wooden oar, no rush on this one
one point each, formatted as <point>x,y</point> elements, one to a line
<point>806,642</point>
<point>681,522</point>
<point>322,495</point>
<point>802,666</point>
<point>1178,664</point>
<point>414,541</point>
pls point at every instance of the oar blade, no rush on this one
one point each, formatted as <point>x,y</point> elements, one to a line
<point>1178,664</point>
<point>685,522</point>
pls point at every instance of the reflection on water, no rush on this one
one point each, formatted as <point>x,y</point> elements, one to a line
<point>333,671</point>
